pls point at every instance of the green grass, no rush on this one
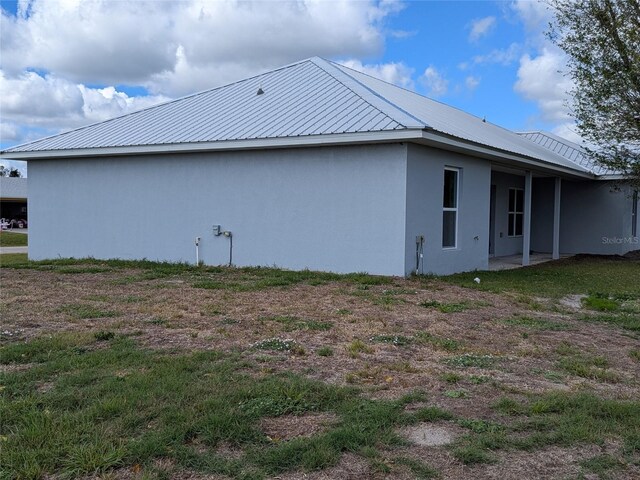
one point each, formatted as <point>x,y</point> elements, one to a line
<point>536,323</point>
<point>601,303</point>
<point>112,404</point>
<point>13,259</point>
<point>564,419</point>
<point>445,307</point>
<point>582,275</point>
<point>10,239</point>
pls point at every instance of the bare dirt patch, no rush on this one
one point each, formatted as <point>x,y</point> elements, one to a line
<point>430,434</point>
<point>287,427</point>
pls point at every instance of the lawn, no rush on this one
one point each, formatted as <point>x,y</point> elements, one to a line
<point>10,239</point>
<point>153,370</point>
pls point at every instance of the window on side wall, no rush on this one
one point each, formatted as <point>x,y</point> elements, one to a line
<point>516,212</point>
<point>450,208</point>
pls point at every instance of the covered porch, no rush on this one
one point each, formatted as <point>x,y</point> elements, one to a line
<point>524,217</point>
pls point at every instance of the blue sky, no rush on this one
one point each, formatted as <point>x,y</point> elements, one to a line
<point>105,58</point>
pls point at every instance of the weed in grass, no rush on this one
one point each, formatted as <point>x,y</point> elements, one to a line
<point>429,414</point>
<point>536,323</point>
<point>601,303</point>
<point>325,351</point>
<point>635,354</point>
<point>470,455</point>
<point>157,321</point>
<point>419,469</point>
<point>279,345</point>
<point>601,464</point>
<point>84,311</point>
<point>228,321</point>
<point>509,406</point>
<point>587,366</point>
<point>479,379</point>
<point>103,336</point>
<point>450,377</point>
<point>445,307</point>
<point>628,321</point>
<point>402,367</point>
<point>356,347</point>
<point>565,348</point>
<point>397,340</point>
<point>471,360</point>
<point>447,344</point>
<point>456,393</point>
<point>344,311</point>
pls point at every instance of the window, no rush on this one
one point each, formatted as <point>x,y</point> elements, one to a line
<point>450,208</point>
<point>516,212</point>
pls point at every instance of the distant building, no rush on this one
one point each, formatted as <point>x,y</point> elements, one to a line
<point>13,199</point>
<point>318,166</point>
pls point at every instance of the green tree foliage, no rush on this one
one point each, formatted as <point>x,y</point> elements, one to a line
<point>9,172</point>
<point>602,41</point>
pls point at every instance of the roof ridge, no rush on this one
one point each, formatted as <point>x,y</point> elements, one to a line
<point>370,96</point>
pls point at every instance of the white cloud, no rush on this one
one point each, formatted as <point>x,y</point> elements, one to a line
<point>434,82</point>
<point>471,82</point>
<point>541,80</point>
<point>481,27</point>
<point>534,14</point>
<point>175,46</point>
<point>394,72</point>
<point>502,56</point>
<point>54,103</point>
<point>8,132</point>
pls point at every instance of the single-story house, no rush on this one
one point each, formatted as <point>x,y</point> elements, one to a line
<point>318,166</point>
<point>13,200</point>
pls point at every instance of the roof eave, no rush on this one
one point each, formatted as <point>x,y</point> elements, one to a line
<point>433,138</point>
<point>247,144</point>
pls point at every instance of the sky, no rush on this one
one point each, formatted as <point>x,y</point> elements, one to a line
<point>68,63</point>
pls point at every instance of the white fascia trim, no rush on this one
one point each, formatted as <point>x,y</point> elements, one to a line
<point>431,138</point>
<point>251,144</point>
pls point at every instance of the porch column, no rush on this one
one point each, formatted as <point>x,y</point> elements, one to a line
<point>556,220</point>
<point>526,228</point>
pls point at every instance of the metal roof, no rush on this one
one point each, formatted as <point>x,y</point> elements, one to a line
<point>300,99</point>
<point>571,151</point>
<point>13,187</point>
<point>313,98</point>
<point>457,123</point>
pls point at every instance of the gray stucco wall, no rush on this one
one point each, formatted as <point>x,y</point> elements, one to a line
<point>505,245</point>
<point>596,218</point>
<point>339,209</point>
<point>425,184</point>
<point>542,199</point>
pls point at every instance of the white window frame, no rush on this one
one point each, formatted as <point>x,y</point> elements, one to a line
<point>515,212</point>
<point>452,209</point>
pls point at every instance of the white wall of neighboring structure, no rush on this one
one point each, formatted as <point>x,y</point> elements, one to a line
<point>425,186</point>
<point>337,209</point>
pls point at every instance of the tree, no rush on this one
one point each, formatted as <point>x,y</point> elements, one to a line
<point>9,172</point>
<point>602,41</point>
